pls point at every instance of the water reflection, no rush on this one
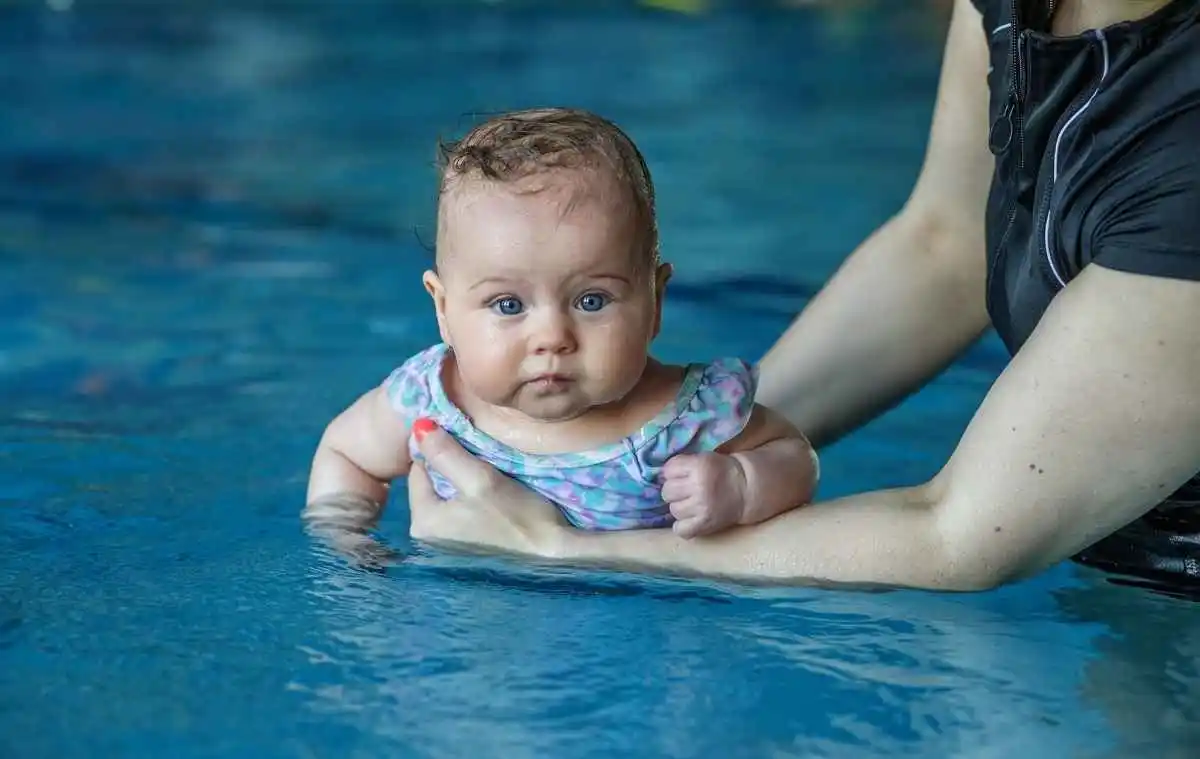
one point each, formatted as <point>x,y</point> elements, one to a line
<point>1145,677</point>
<point>496,671</point>
<point>511,664</point>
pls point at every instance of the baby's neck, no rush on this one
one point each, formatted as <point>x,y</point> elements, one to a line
<point>595,427</point>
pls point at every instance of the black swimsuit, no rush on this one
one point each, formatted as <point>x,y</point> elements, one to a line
<point>1097,143</point>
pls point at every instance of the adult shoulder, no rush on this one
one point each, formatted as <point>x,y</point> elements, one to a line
<point>995,13</point>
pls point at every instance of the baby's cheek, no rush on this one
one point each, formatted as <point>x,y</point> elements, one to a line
<point>619,371</point>
<point>491,378</point>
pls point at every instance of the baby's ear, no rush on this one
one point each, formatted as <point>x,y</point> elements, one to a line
<point>433,286</point>
<point>661,275</point>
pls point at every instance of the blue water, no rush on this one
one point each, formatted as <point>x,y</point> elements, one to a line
<point>210,226</point>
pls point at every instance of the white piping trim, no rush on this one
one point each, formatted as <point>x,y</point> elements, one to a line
<point>1058,144</point>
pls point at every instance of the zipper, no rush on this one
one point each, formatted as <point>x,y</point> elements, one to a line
<point>1011,120</point>
<point>1010,124</point>
<point>1070,115</point>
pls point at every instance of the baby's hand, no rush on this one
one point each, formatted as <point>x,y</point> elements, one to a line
<point>706,492</point>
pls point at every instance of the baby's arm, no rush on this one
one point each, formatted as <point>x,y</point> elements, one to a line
<point>767,469</point>
<point>778,462</point>
<point>363,449</point>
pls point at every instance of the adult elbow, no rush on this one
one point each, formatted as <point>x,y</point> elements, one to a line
<point>968,571</point>
<point>978,580</point>
<point>978,558</point>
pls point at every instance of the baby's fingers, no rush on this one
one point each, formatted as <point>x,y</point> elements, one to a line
<point>679,467</point>
<point>674,491</point>
<point>690,527</point>
<point>688,506</point>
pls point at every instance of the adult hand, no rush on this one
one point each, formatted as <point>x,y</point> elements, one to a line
<point>489,509</point>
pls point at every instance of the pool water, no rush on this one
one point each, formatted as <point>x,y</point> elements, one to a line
<point>211,226</point>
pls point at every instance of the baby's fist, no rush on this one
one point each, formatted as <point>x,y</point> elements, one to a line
<point>706,492</point>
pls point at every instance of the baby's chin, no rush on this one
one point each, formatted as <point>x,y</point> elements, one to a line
<point>555,402</point>
<point>553,409</point>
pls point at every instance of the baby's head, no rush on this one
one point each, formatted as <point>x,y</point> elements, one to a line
<point>548,285</point>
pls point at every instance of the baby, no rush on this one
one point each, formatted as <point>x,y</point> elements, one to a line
<point>548,291</point>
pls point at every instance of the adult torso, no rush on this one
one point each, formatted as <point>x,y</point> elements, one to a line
<point>1064,110</point>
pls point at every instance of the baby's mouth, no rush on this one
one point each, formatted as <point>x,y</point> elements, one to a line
<point>550,383</point>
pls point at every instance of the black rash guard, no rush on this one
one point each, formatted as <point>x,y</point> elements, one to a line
<point>1097,144</point>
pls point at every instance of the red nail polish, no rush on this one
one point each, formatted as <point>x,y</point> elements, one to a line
<point>423,427</point>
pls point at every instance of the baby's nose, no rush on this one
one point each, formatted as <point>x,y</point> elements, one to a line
<point>554,334</point>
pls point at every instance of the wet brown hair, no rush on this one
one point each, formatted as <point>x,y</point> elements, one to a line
<point>520,144</point>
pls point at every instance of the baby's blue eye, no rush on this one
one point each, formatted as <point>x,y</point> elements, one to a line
<point>507,306</point>
<point>593,302</point>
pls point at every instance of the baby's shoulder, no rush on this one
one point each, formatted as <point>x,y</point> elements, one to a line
<point>695,386</point>
<point>413,385</point>
<point>711,407</point>
<point>727,380</point>
<point>426,362</point>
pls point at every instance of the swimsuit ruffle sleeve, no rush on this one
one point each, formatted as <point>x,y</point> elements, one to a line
<point>408,386</point>
<point>715,413</point>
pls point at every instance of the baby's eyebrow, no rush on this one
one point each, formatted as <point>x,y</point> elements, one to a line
<point>617,277</point>
<point>498,281</point>
<point>492,282</point>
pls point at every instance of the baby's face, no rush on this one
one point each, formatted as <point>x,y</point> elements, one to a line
<point>548,304</point>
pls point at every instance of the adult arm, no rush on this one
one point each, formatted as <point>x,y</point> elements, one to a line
<point>1091,425</point>
<point>910,299</point>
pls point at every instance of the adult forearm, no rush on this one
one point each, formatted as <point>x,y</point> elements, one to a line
<point>886,538</point>
<point>898,311</point>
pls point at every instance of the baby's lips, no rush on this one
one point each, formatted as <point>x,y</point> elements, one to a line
<point>423,427</point>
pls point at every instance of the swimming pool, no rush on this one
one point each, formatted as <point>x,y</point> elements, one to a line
<point>210,240</point>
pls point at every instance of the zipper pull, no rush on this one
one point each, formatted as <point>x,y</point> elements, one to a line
<point>1001,134</point>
